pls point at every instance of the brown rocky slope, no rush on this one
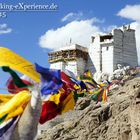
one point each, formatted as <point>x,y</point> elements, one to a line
<point>118,119</point>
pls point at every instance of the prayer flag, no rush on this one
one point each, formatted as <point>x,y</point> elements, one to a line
<point>50,80</point>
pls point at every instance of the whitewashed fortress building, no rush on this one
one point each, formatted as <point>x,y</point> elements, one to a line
<point>102,55</point>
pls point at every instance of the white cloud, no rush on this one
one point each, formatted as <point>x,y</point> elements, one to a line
<point>79,31</point>
<point>79,16</point>
<point>72,16</point>
<point>4,29</point>
<point>132,12</point>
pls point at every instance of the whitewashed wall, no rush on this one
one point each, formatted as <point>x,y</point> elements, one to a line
<point>75,66</point>
<point>57,65</point>
<point>94,54</point>
<point>71,66</point>
<point>107,59</point>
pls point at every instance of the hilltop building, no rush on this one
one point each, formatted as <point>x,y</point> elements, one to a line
<point>102,55</point>
<point>73,58</point>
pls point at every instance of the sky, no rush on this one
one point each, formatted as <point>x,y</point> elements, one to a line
<point>32,34</point>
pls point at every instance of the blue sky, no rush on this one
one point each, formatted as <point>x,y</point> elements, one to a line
<point>26,28</point>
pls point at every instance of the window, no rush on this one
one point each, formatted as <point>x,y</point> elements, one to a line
<point>107,48</point>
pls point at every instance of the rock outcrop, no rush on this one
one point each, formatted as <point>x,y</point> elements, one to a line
<point>121,73</point>
<point>117,119</point>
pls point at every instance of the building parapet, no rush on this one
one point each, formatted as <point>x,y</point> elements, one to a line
<point>106,38</point>
<point>67,55</point>
<point>104,44</point>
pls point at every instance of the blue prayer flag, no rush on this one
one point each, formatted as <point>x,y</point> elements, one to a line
<point>50,80</point>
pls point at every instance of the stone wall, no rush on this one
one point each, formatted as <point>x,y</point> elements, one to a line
<point>118,48</point>
<point>125,47</point>
<point>129,48</point>
<point>81,66</point>
<point>90,66</point>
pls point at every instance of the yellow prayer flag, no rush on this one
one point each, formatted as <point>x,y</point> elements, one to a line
<point>68,103</point>
<point>55,98</point>
<point>15,61</point>
<point>18,100</point>
<point>5,97</point>
<point>15,113</point>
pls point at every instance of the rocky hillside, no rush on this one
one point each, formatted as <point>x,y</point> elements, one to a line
<point>118,119</point>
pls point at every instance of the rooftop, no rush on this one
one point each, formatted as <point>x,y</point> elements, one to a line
<point>68,53</point>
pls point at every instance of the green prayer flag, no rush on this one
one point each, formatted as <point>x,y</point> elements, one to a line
<point>3,118</point>
<point>18,82</point>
